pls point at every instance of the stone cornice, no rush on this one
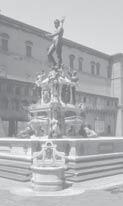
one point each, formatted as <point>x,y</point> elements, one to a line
<point>120,106</point>
<point>117,57</point>
<point>18,80</point>
<point>96,95</point>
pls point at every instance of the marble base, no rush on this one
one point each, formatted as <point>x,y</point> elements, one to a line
<point>94,166</point>
<point>48,178</point>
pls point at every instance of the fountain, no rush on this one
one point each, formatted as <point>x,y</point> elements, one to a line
<point>55,115</point>
<point>56,120</point>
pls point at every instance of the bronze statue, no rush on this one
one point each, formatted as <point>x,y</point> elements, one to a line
<point>56,45</point>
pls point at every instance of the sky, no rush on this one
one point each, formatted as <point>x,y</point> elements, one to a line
<point>93,23</point>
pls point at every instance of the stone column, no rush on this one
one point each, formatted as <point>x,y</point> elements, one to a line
<point>12,128</point>
<point>117,89</point>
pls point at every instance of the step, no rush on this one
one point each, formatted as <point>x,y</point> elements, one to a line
<point>95,175</point>
<point>15,157</point>
<point>15,170</point>
<point>98,157</point>
<point>13,176</point>
<point>90,170</point>
<point>13,163</point>
<point>77,165</point>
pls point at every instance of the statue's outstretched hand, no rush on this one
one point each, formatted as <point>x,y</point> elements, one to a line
<point>47,35</point>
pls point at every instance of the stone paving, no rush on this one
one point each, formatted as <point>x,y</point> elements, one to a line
<point>101,192</point>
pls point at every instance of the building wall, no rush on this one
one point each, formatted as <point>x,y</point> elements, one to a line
<point>100,112</point>
<point>95,84</point>
<point>17,64</point>
<point>15,97</point>
<point>15,60</point>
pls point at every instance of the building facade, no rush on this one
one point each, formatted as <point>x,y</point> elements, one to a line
<point>23,54</point>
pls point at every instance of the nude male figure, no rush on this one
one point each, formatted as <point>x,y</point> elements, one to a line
<point>56,45</point>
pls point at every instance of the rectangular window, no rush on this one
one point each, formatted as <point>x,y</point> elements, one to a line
<point>17,106</point>
<point>5,44</point>
<point>80,64</point>
<point>28,51</point>
<point>99,126</point>
<point>4,103</point>
<point>9,88</point>
<point>71,60</point>
<point>0,86</point>
<point>109,73</point>
<point>84,99</point>
<point>92,69</point>
<point>98,69</point>
<point>26,91</point>
<point>18,90</point>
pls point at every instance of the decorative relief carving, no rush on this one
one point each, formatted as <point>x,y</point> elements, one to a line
<point>105,147</point>
<point>65,94</point>
<point>46,96</point>
<point>48,156</point>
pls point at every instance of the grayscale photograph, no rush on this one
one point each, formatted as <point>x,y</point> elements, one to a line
<point>61,103</point>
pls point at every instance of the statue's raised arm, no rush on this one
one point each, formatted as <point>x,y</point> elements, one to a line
<point>62,21</point>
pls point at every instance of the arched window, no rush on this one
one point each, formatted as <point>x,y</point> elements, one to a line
<point>92,67</point>
<point>4,41</point>
<point>80,64</point>
<point>28,45</point>
<point>71,59</point>
<point>97,68</point>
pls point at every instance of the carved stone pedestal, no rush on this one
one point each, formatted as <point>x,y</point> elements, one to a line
<point>48,179</point>
<point>48,168</point>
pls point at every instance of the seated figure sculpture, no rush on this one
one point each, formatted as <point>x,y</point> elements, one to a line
<point>39,78</point>
<point>26,133</point>
<point>90,132</point>
<point>48,156</point>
